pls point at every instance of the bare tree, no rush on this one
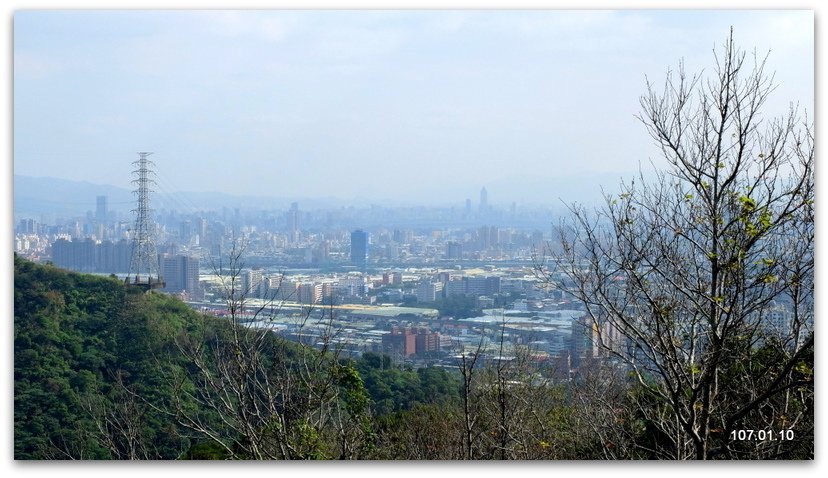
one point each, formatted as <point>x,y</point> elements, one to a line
<point>603,421</point>
<point>507,401</point>
<point>512,401</point>
<point>467,364</point>
<point>257,396</point>
<point>701,281</point>
<point>426,432</point>
<point>119,422</point>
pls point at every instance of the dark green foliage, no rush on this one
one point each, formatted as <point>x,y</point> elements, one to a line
<point>205,451</point>
<point>89,351</point>
<point>93,360</point>
<point>61,352</point>
<point>425,432</point>
<point>80,342</point>
<point>394,389</point>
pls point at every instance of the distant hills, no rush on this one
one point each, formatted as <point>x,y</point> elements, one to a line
<point>43,195</point>
<point>36,196</point>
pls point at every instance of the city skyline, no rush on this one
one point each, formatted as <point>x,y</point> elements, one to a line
<point>346,104</point>
<point>414,234</point>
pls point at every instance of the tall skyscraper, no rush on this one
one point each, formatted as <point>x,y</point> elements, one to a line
<point>359,247</point>
<point>100,210</point>
<point>292,217</point>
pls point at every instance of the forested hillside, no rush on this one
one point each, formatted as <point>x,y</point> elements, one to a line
<point>108,372</point>
<point>98,371</point>
<point>81,343</point>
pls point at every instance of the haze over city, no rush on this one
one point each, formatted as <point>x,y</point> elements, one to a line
<point>417,106</point>
<point>413,234</point>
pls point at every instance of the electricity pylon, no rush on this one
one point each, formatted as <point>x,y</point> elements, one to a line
<point>143,267</point>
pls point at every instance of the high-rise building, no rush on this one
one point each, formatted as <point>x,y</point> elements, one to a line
<point>427,341</point>
<point>80,255</point>
<point>309,293</point>
<point>100,210</point>
<point>27,226</point>
<point>404,342</point>
<point>180,273</point>
<point>455,287</point>
<point>354,285</point>
<point>454,250</point>
<point>292,218</point>
<point>90,256</point>
<point>474,286</point>
<point>400,342</point>
<point>494,236</point>
<point>429,291</point>
<point>113,257</point>
<point>403,236</point>
<point>321,253</point>
<point>487,237</point>
<point>359,247</point>
<point>281,288</point>
<point>201,230</point>
<point>185,231</point>
<point>252,283</point>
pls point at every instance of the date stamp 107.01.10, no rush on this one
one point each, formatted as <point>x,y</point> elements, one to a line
<point>762,435</point>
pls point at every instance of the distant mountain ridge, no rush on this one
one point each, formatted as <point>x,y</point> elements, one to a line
<point>36,196</point>
<point>45,195</point>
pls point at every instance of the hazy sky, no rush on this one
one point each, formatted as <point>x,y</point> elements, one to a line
<point>403,104</point>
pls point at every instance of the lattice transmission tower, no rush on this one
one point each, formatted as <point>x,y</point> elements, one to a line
<point>143,267</point>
